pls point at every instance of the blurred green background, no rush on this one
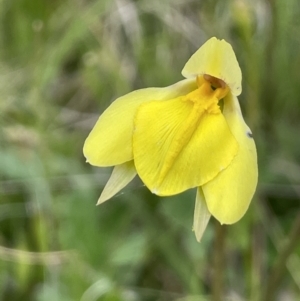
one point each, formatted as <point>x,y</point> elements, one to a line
<point>62,62</point>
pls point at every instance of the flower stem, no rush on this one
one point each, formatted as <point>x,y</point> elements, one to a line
<point>218,263</point>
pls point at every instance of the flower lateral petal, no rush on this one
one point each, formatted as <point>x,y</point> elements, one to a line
<point>122,175</point>
<point>229,194</point>
<point>110,141</point>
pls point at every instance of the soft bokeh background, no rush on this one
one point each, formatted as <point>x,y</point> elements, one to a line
<point>62,62</point>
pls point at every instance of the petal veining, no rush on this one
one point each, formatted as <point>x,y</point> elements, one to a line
<point>180,144</point>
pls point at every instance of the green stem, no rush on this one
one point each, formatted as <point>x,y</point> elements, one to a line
<point>218,263</point>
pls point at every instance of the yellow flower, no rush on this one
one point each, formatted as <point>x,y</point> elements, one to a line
<point>190,134</point>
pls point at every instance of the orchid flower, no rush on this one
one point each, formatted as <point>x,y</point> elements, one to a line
<point>188,135</point>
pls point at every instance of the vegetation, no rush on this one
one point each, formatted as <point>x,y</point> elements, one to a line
<point>62,63</point>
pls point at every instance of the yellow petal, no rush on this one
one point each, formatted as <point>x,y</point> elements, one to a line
<point>201,215</point>
<point>229,194</point>
<point>169,159</point>
<point>216,58</point>
<point>110,141</point>
<point>120,177</point>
